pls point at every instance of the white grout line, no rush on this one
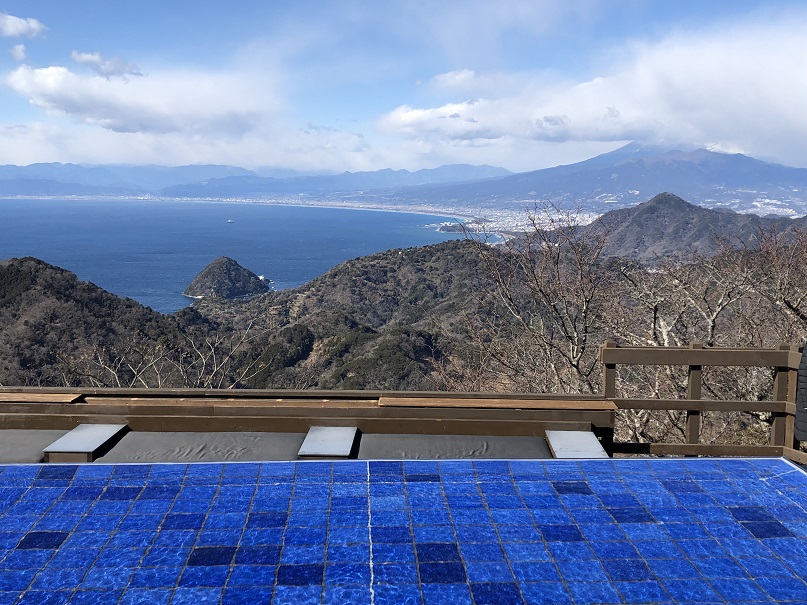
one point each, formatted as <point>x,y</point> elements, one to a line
<point>370,535</point>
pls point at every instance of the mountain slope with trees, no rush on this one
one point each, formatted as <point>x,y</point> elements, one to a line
<point>527,315</point>
<point>667,227</point>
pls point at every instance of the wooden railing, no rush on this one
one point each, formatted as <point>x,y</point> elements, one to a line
<point>440,413</point>
<point>784,361</point>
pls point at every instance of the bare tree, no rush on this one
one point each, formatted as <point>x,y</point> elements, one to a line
<point>126,363</point>
<point>781,272</point>
<point>215,359</point>
<point>545,310</point>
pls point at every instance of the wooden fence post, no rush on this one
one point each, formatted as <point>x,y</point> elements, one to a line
<point>606,435</point>
<point>792,386</point>
<point>694,385</point>
<point>784,389</point>
<point>609,371</point>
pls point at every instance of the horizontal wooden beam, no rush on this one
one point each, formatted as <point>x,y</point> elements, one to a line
<point>300,424</point>
<point>693,449</point>
<point>233,403</point>
<point>600,418</point>
<point>491,395</point>
<point>28,397</point>
<point>706,405</point>
<point>489,402</point>
<point>686,356</point>
<point>332,395</point>
<point>796,456</point>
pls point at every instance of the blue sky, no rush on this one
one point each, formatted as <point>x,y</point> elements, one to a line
<point>362,85</point>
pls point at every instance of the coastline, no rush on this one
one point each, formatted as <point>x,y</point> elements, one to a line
<point>502,222</point>
<point>150,250</point>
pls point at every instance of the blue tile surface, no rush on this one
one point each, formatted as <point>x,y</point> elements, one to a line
<point>727,531</point>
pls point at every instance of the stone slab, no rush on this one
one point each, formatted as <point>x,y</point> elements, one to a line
<point>328,442</point>
<point>83,442</point>
<point>574,444</point>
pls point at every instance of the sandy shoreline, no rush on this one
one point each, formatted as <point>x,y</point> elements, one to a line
<point>496,221</point>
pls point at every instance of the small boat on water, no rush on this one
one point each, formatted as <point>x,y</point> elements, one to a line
<point>229,220</point>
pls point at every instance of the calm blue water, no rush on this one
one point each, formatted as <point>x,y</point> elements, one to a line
<point>150,251</point>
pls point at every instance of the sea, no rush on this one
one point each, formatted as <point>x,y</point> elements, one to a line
<point>151,250</point>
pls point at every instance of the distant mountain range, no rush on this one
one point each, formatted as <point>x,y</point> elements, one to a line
<point>217,181</point>
<point>631,174</point>
<point>131,179</point>
<point>619,179</point>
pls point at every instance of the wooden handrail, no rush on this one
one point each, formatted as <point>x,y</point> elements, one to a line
<point>685,356</point>
<point>784,360</point>
<point>706,405</point>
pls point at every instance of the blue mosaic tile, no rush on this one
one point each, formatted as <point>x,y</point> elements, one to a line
<point>446,594</point>
<point>546,593</point>
<point>561,533</point>
<point>144,596</point>
<point>196,596</point>
<point>593,593</point>
<point>611,531</point>
<point>395,573</point>
<point>42,539</point>
<point>642,592</point>
<point>398,594</point>
<point>204,577</point>
<point>784,589</point>
<point>442,573</point>
<point>534,571</point>
<point>579,551</point>
<point>300,575</point>
<point>576,571</point>
<point>156,577</point>
<point>435,552</point>
<point>489,572</point>
<point>496,593</point>
<point>627,570</point>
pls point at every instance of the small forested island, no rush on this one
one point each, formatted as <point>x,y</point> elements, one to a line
<point>225,278</point>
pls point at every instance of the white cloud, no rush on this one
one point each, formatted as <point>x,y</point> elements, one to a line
<point>210,103</point>
<point>274,145</point>
<point>18,52</point>
<point>14,27</point>
<point>454,79</point>
<point>744,88</point>
<point>105,67</point>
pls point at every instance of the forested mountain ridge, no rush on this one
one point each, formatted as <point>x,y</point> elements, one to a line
<point>372,322</point>
<point>364,324</point>
<point>667,227</point>
<point>48,316</point>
